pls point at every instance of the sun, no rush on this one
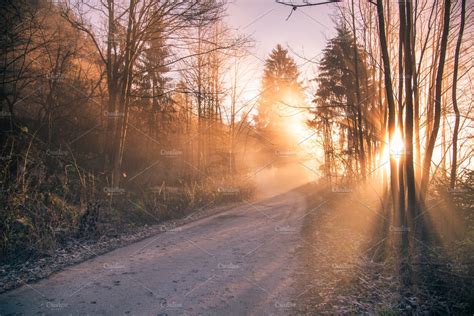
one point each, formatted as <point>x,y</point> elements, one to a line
<point>396,145</point>
<point>297,128</point>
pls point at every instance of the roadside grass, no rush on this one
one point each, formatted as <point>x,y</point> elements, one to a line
<point>48,200</point>
<point>353,269</point>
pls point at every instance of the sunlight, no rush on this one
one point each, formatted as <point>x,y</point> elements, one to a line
<point>172,131</point>
<point>298,131</point>
<point>294,118</point>
<point>394,148</point>
<point>396,145</point>
<point>297,128</point>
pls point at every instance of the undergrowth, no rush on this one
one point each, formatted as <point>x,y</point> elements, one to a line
<point>47,199</point>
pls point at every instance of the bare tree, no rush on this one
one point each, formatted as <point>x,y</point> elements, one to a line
<point>129,31</point>
<point>437,100</point>
<point>454,160</point>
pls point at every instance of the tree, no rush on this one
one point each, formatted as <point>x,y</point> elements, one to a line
<point>337,108</point>
<point>390,99</point>
<point>433,134</point>
<point>281,93</point>
<point>152,92</point>
<point>20,23</point>
<point>454,161</point>
<point>406,25</point>
<point>130,29</point>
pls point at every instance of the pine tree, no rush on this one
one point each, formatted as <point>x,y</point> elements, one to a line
<point>280,97</point>
<point>336,102</point>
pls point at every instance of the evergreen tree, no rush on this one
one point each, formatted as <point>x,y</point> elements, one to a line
<point>281,95</point>
<point>335,114</point>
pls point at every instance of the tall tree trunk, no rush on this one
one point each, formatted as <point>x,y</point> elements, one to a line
<point>401,105</point>
<point>125,85</point>
<point>405,161</point>
<point>431,85</point>
<point>199,102</point>
<point>111,67</point>
<point>454,160</point>
<point>390,99</point>
<point>358,99</point>
<point>416,97</point>
<point>410,174</point>
<point>437,101</point>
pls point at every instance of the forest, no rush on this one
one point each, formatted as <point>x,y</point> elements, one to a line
<point>120,117</point>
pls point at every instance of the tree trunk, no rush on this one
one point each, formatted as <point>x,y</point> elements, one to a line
<point>358,99</point>
<point>437,101</point>
<point>112,90</point>
<point>401,105</point>
<point>390,99</point>
<point>410,174</point>
<point>123,100</point>
<point>454,161</point>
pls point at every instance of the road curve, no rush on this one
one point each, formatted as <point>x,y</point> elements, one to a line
<point>238,262</point>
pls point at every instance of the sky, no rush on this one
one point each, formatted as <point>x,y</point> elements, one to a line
<point>305,33</point>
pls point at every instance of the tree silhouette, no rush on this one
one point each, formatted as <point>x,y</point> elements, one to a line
<point>336,103</point>
<point>281,95</point>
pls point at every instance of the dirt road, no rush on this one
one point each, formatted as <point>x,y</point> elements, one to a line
<point>239,262</point>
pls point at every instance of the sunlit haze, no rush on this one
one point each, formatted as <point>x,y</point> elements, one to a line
<point>236,157</point>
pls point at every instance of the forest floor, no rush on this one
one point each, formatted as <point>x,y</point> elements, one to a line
<point>350,268</point>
